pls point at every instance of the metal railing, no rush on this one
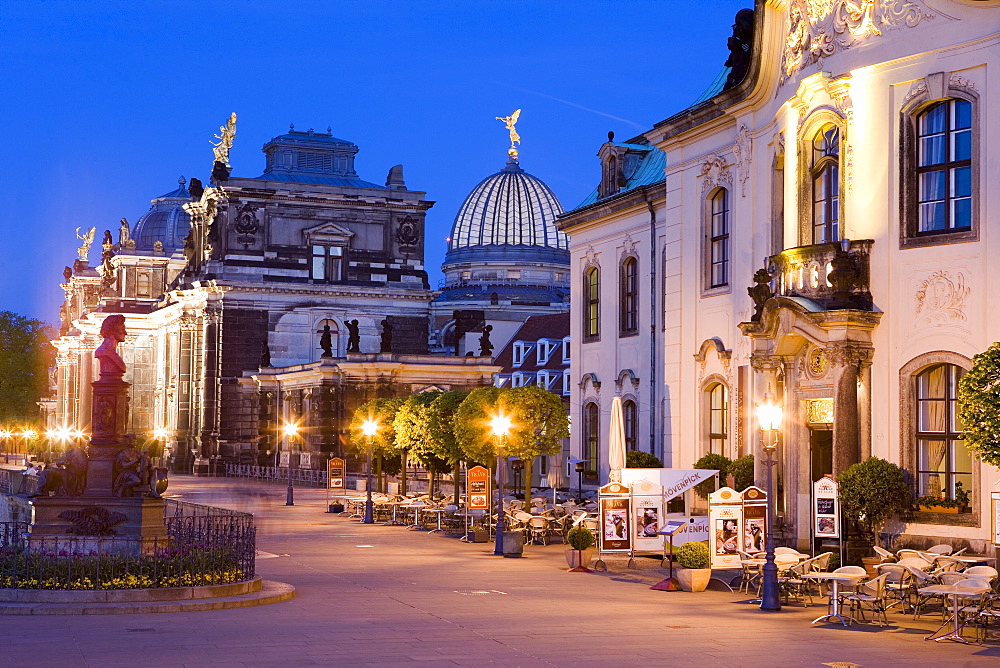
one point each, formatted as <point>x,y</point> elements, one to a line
<point>301,477</point>
<point>204,545</point>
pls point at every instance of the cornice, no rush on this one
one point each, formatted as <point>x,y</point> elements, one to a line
<point>637,197</point>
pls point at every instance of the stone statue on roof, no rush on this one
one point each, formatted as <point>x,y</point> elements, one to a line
<point>228,132</point>
<point>87,238</point>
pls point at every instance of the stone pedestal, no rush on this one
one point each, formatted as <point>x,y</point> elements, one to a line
<point>142,528</point>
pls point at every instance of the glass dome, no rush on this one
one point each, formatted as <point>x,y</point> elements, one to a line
<point>165,221</point>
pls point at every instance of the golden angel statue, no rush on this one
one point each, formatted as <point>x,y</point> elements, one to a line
<point>221,149</point>
<point>87,238</point>
<point>510,122</point>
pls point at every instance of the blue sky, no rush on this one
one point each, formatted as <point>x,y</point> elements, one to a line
<point>106,104</point>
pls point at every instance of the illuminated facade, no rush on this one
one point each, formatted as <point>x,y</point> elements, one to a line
<point>844,180</point>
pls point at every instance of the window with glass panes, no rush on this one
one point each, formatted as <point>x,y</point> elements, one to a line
<point>327,263</point>
<point>591,435</point>
<point>944,464</point>
<point>719,271</point>
<point>630,421</point>
<point>629,320</point>
<point>825,174</point>
<point>718,418</point>
<point>944,167</point>
<point>592,303</point>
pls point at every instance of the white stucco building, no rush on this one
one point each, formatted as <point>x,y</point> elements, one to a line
<point>853,163</point>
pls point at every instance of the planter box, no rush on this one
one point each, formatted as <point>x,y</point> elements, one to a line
<point>693,579</point>
<point>938,509</point>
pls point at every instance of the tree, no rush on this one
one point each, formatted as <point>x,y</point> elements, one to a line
<point>382,412</point>
<point>442,442</point>
<point>25,358</point>
<point>637,459</point>
<point>742,472</point>
<point>473,427</point>
<point>412,427</point>
<point>711,461</point>
<point>871,492</point>
<point>539,424</point>
<point>979,405</point>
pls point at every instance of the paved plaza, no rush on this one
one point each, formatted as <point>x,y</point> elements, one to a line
<point>375,595</point>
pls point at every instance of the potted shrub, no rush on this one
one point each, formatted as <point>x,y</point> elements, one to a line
<point>696,566</point>
<point>581,542</point>
<point>871,493</point>
<point>938,503</point>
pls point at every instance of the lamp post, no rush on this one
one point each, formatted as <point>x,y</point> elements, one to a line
<point>500,426</point>
<point>160,434</point>
<point>769,418</point>
<point>27,434</point>
<point>370,428</point>
<point>290,429</point>
<point>579,481</point>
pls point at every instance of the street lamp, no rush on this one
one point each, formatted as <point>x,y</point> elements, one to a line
<point>160,434</point>
<point>27,434</point>
<point>500,425</point>
<point>290,430</point>
<point>370,428</point>
<point>769,419</point>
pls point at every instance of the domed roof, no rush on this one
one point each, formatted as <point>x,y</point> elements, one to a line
<point>504,215</point>
<point>165,221</point>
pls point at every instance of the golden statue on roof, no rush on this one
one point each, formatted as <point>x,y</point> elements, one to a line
<point>221,149</point>
<point>509,122</point>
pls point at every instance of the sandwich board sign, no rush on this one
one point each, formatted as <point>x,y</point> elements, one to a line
<point>477,485</point>
<point>725,516</point>
<point>826,508</point>
<point>335,479</point>
<point>615,503</point>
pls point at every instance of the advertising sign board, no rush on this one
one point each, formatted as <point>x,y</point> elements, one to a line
<point>305,460</point>
<point>477,486</point>
<point>335,479</point>
<point>615,535</point>
<point>283,459</point>
<point>826,508</point>
<point>673,481</point>
<point>725,527</point>
<point>995,502</point>
<point>695,530</point>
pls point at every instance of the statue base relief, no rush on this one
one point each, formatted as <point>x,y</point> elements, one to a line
<point>106,525</point>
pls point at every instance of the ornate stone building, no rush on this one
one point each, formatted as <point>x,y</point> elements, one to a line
<point>839,167</point>
<point>297,295</point>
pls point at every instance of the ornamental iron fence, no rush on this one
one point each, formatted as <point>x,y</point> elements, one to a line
<point>204,545</point>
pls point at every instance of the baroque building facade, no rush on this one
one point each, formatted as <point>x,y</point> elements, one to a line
<point>291,297</point>
<point>840,170</point>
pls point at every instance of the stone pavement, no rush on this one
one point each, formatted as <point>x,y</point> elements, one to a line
<point>375,595</point>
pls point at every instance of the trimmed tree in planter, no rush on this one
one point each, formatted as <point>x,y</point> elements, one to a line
<point>696,561</point>
<point>637,459</point>
<point>580,540</point>
<point>871,492</point>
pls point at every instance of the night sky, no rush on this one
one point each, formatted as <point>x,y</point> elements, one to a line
<point>106,104</point>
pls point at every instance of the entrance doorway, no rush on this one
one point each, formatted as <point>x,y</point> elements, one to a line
<point>821,447</point>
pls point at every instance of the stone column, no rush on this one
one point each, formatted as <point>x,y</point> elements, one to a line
<point>847,359</point>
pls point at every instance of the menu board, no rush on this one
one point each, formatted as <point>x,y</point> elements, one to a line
<point>615,509</point>
<point>995,499</point>
<point>477,485</point>
<point>826,508</point>
<point>336,477</point>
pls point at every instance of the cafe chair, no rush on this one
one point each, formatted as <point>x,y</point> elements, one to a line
<point>940,549</point>
<point>885,554</point>
<point>898,584</point>
<point>870,595</point>
<point>921,579</point>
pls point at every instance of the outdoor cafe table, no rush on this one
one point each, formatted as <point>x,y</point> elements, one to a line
<point>395,505</point>
<point>955,591</point>
<point>836,579</point>
<point>439,512</point>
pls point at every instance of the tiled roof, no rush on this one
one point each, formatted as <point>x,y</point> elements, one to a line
<point>554,326</point>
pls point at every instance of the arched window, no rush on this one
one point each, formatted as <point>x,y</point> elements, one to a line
<point>944,167</point>
<point>592,303</point>
<point>717,403</point>
<point>591,436</point>
<point>719,239</point>
<point>630,420</point>
<point>629,313</point>
<point>825,175</point>
<point>944,465</point>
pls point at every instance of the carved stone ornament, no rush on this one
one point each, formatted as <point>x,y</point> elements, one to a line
<point>590,258</point>
<point>816,361</point>
<point>818,29</point>
<point>848,354</point>
<point>958,81</point>
<point>93,521</point>
<point>941,298</point>
<point>406,233</point>
<point>742,152</point>
<point>246,219</point>
<point>628,246</point>
<point>918,89</point>
<point>714,174</point>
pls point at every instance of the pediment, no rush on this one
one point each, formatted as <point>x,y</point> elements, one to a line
<point>327,233</point>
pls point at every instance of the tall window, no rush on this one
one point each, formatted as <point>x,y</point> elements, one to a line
<point>944,465</point>
<point>718,418</point>
<point>592,303</point>
<point>591,435</point>
<point>327,263</point>
<point>825,175</point>
<point>630,419</point>
<point>719,244</point>
<point>944,167</point>
<point>629,313</point>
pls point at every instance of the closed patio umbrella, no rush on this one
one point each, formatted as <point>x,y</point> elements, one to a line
<point>557,474</point>
<point>616,441</point>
